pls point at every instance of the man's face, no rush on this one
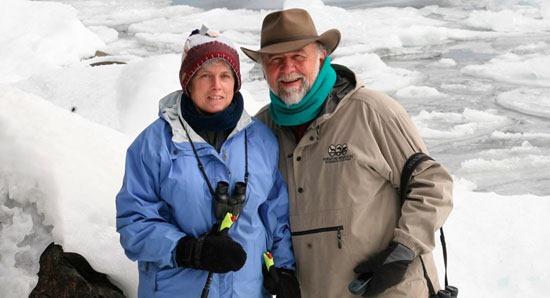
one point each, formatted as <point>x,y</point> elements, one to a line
<point>291,75</point>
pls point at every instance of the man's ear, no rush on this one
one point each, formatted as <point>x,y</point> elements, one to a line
<point>322,58</point>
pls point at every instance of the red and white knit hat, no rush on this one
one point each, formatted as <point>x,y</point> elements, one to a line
<point>202,46</point>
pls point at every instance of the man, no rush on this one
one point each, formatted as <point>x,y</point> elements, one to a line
<point>342,149</point>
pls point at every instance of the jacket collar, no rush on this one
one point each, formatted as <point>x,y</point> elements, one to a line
<point>346,83</point>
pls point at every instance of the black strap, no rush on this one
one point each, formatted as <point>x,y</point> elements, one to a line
<point>412,162</point>
<point>408,169</point>
<point>201,167</point>
<point>431,288</point>
<point>209,278</point>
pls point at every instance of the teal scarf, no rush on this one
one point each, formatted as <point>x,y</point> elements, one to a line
<point>310,106</point>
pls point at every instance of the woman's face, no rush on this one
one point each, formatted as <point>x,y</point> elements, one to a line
<point>211,87</point>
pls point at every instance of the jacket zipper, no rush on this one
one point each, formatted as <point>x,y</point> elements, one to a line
<point>338,230</point>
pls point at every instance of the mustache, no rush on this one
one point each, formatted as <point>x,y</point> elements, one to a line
<point>290,77</point>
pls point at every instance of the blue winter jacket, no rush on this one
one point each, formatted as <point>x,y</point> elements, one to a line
<point>164,197</point>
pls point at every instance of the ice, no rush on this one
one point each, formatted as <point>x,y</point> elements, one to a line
<point>473,75</point>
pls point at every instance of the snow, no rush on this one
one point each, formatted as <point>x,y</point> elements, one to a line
<point>65,126</point>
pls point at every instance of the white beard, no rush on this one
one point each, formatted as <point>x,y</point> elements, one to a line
<point>293,95</point>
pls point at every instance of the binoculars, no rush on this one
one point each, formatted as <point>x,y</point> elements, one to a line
<point>449,292</point>
<point>224,203</point>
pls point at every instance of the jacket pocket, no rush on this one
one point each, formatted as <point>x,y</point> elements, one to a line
<point>338,229</point>
<point>322,228</point>
<point>147,279</point>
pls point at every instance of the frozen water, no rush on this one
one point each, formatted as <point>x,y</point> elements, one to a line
<point>474,75</point>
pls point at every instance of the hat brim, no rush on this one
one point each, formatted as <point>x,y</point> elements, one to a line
<point>330,40</point>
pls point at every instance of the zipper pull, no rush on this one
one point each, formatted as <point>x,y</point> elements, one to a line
<point>339,236</point>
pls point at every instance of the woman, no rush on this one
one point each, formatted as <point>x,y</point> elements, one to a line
<point>205,160</point>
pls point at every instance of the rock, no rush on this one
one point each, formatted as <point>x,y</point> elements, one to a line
<point>106,63</point>
<point>69,275</point>
<point>100,54</point>
<point>101,58</point>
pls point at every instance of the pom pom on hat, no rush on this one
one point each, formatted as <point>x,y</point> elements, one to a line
<point>202,46</point>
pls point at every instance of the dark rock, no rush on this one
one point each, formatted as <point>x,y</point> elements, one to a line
<point>106,63</point>
<point>69,275</point>
<point>102,56</point>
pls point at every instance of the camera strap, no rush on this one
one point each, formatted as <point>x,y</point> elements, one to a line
<point>206,288</point>
<point>410,165</point>
<point>201,167</point>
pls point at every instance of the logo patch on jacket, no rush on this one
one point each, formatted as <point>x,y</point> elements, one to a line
<point>337,153</point>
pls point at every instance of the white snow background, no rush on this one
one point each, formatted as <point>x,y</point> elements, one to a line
<point>65,125</point>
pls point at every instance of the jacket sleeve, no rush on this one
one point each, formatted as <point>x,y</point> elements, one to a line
<point>426,208</point>
<point>429,202</point>
<point>274,212</point>
<point>142,216</point>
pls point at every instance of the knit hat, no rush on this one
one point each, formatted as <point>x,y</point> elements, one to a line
<point>204,45</point>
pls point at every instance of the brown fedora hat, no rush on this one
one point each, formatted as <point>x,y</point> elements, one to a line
<point>290,30</point>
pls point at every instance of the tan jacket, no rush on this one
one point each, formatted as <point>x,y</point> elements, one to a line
<point>343,177</point>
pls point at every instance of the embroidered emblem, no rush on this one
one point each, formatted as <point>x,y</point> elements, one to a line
<point>337,150</point>
<point>337,153</point>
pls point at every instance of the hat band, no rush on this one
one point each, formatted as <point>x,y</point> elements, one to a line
<point>295,38</point>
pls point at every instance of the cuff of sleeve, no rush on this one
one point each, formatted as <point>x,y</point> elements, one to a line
<point>183,255</point>
<point>417,247</point>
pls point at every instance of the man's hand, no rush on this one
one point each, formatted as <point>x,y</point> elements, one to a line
<point>387,267</point>
<point>281,282</point>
